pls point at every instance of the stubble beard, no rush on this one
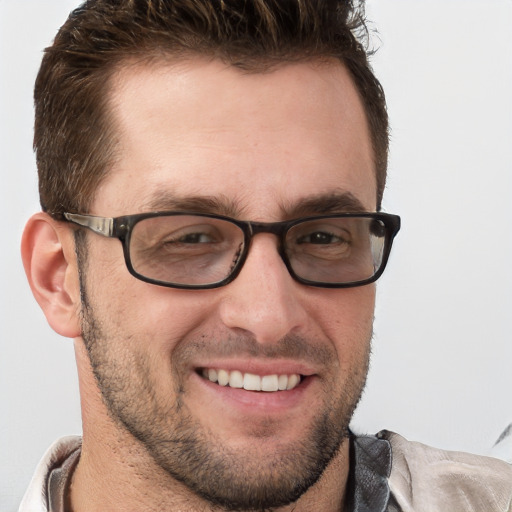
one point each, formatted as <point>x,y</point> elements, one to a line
<point>233,480</point>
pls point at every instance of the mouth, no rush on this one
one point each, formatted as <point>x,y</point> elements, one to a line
<point>251,382</point>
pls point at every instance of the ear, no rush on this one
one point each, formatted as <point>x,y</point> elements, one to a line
<point>48,253</point>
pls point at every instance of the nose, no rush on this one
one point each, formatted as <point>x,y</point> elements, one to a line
<point>263,300</point>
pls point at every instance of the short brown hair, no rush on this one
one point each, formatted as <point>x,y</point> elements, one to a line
<point>74,139</point>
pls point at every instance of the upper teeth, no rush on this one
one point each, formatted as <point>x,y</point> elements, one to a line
<point>251,382</point>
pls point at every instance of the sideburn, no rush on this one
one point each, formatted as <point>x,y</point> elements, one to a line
<point>82,253</point>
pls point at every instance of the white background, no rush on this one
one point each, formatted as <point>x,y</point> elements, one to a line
<point>441,370</point>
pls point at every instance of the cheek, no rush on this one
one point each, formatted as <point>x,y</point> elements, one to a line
<point>346,318</point>
<point>355,307</point>
<point>142,313</point>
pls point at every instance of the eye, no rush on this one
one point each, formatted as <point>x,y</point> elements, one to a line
<point>197,234</point>
<point>193,238</point>
<point>320,237</point>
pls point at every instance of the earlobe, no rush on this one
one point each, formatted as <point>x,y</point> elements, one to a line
<point>47,250</point>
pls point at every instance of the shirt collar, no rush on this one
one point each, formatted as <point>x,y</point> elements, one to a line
<point>367,486</point>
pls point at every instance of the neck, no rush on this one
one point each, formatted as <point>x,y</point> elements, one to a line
<point>120,479</point>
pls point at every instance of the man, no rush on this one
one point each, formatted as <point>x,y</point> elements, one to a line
<point>237,151</point>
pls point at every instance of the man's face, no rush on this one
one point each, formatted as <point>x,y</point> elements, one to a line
<point>262,147</point>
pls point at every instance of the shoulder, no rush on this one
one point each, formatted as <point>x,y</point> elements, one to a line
<point>429,479</point>
<point>36,497</point>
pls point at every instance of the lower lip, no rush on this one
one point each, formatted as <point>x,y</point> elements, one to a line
<point>258,401</point>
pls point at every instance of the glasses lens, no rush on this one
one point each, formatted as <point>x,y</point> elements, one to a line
<point>185,249</point>
<point>337,250</point>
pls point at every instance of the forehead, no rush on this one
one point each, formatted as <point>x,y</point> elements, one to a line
<point>260,142</point>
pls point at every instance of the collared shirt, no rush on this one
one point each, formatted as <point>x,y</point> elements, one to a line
<point>48,488</point>
<point>387,474</point>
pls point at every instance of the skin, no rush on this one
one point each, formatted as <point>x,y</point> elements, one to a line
<point>262,145</point>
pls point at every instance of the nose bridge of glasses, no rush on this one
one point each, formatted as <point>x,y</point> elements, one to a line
<point>274,228</point>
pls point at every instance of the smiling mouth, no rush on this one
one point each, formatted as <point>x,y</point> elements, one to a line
<point>250,381</point>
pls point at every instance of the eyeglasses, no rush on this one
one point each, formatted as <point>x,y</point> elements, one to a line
<point>200,251</point>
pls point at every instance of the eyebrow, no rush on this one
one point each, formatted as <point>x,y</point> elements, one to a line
<point>321,204</point>
<point>324,204</point>
<point>220,205</point>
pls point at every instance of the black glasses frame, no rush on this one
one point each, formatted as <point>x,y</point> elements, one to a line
<point>122,227</point>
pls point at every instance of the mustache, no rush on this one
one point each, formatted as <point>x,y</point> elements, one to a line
<point>225,346</point>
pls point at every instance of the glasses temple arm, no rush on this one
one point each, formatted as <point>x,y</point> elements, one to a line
<point>101,225</point>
